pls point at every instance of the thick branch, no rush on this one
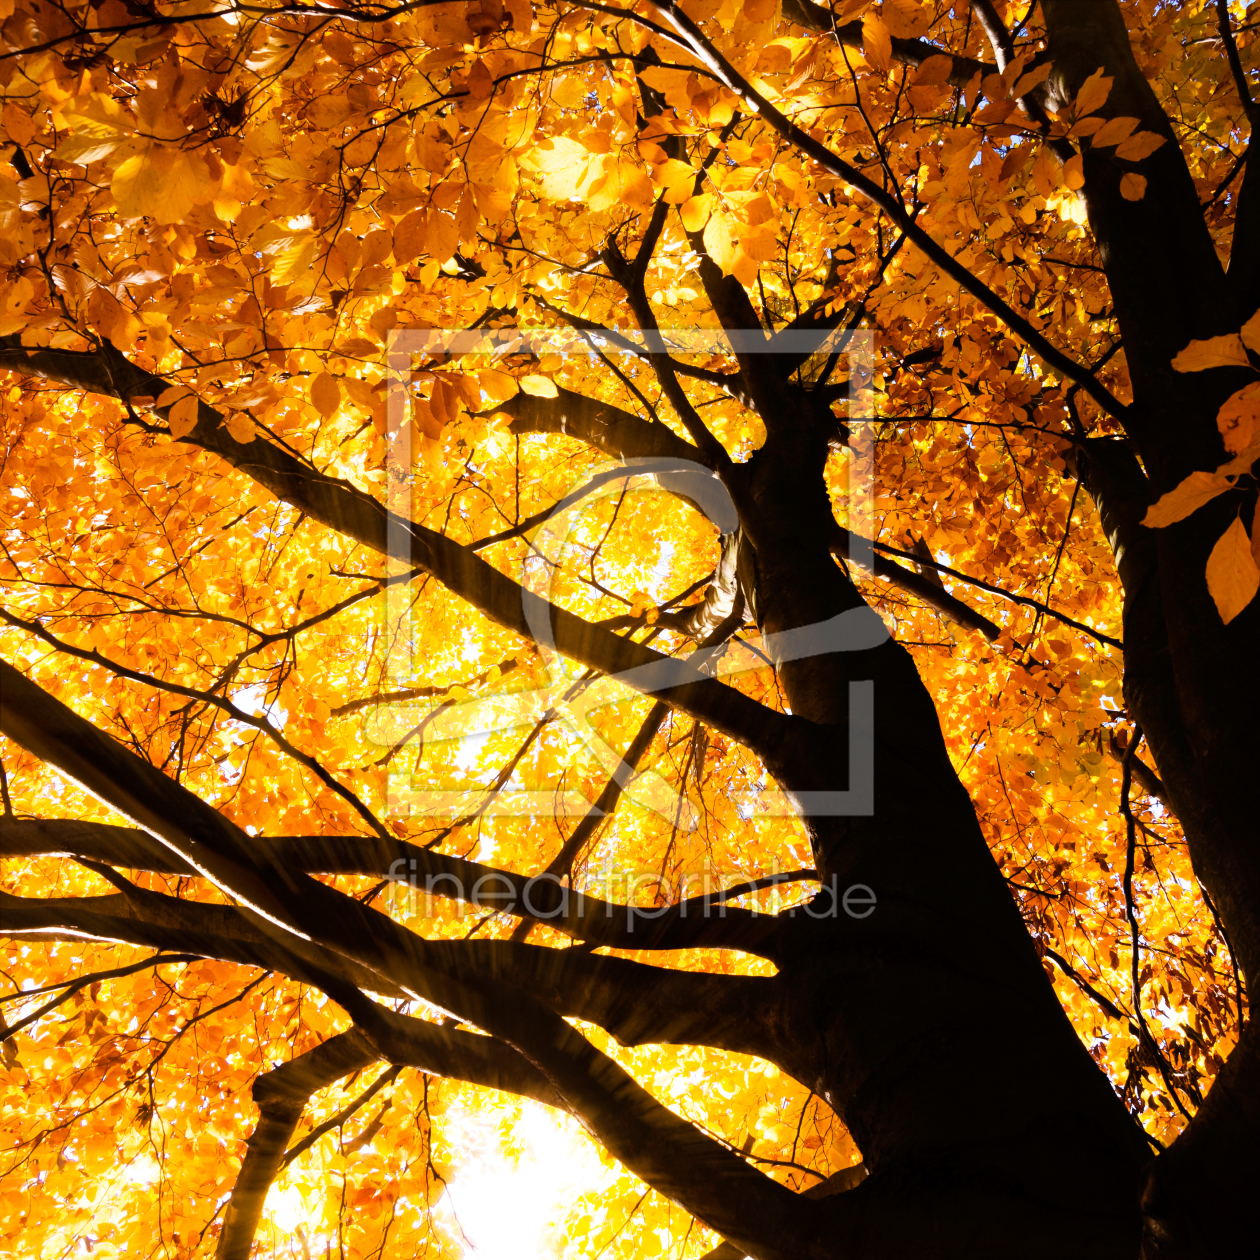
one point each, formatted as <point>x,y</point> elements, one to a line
<point>690,36</point>
<point>599,424</point>
<point>910,52</point>
<point>598,923</point>
<point>350,511</point>
<point>282,1095</point>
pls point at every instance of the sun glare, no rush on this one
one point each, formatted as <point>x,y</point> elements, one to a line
<point>509,1200</point>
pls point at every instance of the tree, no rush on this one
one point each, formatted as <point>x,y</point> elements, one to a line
<point>266,570</point>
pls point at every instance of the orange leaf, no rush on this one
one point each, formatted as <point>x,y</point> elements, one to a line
<point>934,71</point>
<point>1232,575</point>
<point>240,426</point>
<point>1136,147</point>
<point>1093,94</point>
<point>1196,490</point>
<point>325,394</point>
<point>1074,172</point>
<point>1239,419</point>
<point>1133,187</point>
<point>906,19</point>
<point>1250,333</point>
<point>422,414</point>
<point>467,218</point>
<point>876,42</point>
<point>182,417</point>
<point>480,83</point>
<point>1034,78</point>
<point>1213,352</point>
<point>1114,130</point>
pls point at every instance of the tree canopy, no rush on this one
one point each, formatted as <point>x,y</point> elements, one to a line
<point>682,569</point>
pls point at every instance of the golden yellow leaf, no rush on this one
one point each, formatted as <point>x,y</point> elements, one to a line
<point>563,164</point>
<point>182,417</point>
<point>1239,418</point>
<point>1133,186</point>
<point>328,111</point>
<point>876,41</point>
<point>1232,575</point>
<point>695,211</point>
<point>719,241</point>
<point>325,394</point>
<point>539,386</point>
<point>677,178</point>
<point>161,183</point>
<point>467,218</point>
<point>760,10</point>
<point>621,184</point>
<point>295,259</point>
<point>1187,497</point>
<point>1074,172</point>
<point>1212,352</point>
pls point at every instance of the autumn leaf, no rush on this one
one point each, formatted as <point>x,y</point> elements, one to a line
<point>876,41</point>
<point>906,19</point>
<point>1187,497</point>
<point>539,386</point>
<point>1034,78</point>
<point>1232,575</point>
<point>720,242</point>
<point>1093,93</point>
<point>480,82</point>
<point>1074,172</point>
<point>240,426</point>
<point>695,211</point>
<point>1133,186</point>
<point>1139,146</point>
<point>1113,131</point>
<point>934,71</point>
<point>1239,418</point>
<point>182,416</point>
<point>1224,351</point>
<point>160,182</point>
<point>325,394</point>
<point>1250,333</point>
